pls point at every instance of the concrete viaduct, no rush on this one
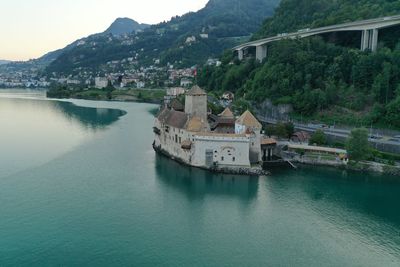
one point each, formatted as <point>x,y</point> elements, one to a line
<point>369,38</point>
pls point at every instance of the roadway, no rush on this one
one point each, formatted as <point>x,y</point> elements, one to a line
<point>341,133</point>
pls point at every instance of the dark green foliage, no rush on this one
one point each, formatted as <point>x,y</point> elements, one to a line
<point>240,106</point>
<point>215,109</point>
<point>393,113</point>
<point>385,155</point>
<point>318,138</point>
<point>316,78</point>
<point>335,83</point>
<point>293,15</point>
<point>281,130</point>
<point>59,92</point>
<point>357,145</point>
<point>228,77</point>
<point>289,127</point>
<point>223,20</point>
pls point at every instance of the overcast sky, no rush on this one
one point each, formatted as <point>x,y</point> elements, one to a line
<point>30,28</point>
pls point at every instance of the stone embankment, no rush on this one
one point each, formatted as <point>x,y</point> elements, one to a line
<point>318,161</point>
<point>251,171</point>
<point>368,166</point>
<point>362,166</point>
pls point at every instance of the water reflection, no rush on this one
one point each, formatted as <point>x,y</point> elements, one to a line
<point>354,204</point>
<point>196,183</point>
<point>370,194</point>
<point>35,131</point>
<point>95,118</point>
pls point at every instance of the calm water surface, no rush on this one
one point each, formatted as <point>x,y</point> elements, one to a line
<point>81,186</point>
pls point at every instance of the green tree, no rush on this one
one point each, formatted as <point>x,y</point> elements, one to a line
<point>318,138</point>
<point>393,113</point>
<point>289,129</point>
<point>281,130</point>
<point>357,144</point>
<point>270,130</point>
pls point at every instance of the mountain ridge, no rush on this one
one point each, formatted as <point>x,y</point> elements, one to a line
<point>183,41</point>
<point>125,26</point>
<point>119,27</point>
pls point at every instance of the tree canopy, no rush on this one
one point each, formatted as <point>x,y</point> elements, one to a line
<point>326,77</point>
<point>357,145</point>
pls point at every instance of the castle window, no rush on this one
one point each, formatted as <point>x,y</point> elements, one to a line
<point>233,159</point>
<point>222,158</point>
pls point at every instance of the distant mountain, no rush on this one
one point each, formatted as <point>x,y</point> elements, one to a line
<point>183,41</point>
<point>119,27</point>
<point>123,26</point>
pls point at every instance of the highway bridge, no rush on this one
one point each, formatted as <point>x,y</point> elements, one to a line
<point>369,37</point>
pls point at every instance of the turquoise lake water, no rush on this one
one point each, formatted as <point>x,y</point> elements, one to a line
<point>81,186</point>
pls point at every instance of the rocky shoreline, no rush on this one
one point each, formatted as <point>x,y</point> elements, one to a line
<point>362,166</point>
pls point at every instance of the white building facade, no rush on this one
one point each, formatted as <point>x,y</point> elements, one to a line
<point>100,82</point>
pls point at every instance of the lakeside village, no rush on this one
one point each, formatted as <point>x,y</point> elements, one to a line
<point>121,74</point>
<point>189,133</point>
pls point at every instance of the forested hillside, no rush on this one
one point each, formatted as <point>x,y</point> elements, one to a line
<point>294,15</point>
<point>222,23</point>
<point>322,80</point>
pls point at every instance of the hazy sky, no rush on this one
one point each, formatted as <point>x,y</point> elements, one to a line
<point>30,28</point>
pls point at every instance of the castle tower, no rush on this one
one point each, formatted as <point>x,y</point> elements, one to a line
<point>249,125</point>
<point>196,103</point>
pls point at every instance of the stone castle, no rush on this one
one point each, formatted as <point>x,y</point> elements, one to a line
<point>191,135</point>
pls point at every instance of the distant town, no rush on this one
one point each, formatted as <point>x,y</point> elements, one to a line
<point>120,74</point>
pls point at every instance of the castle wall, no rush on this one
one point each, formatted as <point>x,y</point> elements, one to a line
<point>171,141</point>
<point>255,148</point>
<point>224,150</point>
<point>255,141</point>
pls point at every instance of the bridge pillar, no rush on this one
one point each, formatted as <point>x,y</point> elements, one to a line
<point>374,40</point>
<point>240,54</point>
<point>369,40</point>
<point>364,40</point>
<point>261,52</point>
